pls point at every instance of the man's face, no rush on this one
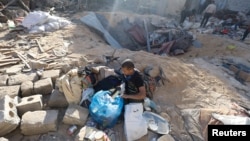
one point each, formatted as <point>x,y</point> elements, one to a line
<point>127,71</point>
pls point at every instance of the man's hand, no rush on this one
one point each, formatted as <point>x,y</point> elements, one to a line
<point>125,96</point>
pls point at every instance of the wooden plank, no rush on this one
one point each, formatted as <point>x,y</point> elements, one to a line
<point>10,60</point>
<point>9,63</point>
<point>39,46</point>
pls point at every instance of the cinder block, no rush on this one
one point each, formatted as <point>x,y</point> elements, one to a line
<point>11,91</point>
<point>57,100</point>
<point>39,122</point>
<point>76,115</point>
<point>27,88</point>
<point>30,103</point>
<point>20,78</point>
<point>13,70</point>
<point>9,119</point>
<point>3,80</point>
<point>43,86</point>
<point>53,74</point>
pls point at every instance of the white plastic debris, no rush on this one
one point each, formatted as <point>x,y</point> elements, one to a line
<point>232,120</point>
<point>39,21</point>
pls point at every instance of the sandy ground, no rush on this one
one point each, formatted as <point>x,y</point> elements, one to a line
<point>195,79</point>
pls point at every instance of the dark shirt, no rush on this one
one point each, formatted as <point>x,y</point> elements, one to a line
<point>132,84</point>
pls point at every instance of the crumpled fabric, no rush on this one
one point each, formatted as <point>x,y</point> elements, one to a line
<point>70,84</point>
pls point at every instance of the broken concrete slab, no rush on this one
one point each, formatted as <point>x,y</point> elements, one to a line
<point>20,78</point>
<point>30,103</point>
<point>43,86</point>
<point>11,91</point>
<point>57,100</point>
<point>13,70</point>
<point>39,122</point>
<point>37,64</point>
<point>76,115</point>
<point>53,74</point>
<point>9,119</point>
<point>3,80</point>
<point>27,88</point>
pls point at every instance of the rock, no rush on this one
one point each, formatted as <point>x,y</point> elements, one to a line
<point>37,64</point>
<point>43,86</point>
<point>9,119</point>
<point>76,115</point>
<point>57,100</point>
<point>27,88</point>
<point>39,122</point>
<point>53,74</point>
<point>11,91</point>
<point>166,138</point>
<point>13,70</point>
<point>31,103</point>
<point>20,78</point>
<point>3,80</point>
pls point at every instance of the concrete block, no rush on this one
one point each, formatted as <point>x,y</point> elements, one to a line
<point>53,74</point>
<point>76,115</point>
<point>20,78</point>
<point>9,119</point>
<point>27,88</point>
<point>57,100</point>
<point>11,91</point>
<point>13,70</point>
<point>43,86</point>
<point>3,80</point>
<point>30,103</point>
<point>39,122</point>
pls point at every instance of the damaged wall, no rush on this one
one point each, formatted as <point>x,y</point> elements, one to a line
<point>238,5</point>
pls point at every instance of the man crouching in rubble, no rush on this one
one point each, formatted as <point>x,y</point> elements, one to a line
<point>134,85</point>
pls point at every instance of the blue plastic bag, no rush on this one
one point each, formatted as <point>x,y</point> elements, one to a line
<point>104,109</point>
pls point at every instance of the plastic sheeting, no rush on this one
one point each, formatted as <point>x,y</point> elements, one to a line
<point>39,21</point>
<point>91,20</point>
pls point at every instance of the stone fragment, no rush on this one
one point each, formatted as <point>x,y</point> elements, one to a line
<point>53,74</point>
<point>20,78</point>
<point>11,91</point>
<point>76,115</point>
<point>57,100</point>
<point>39,122</point>
<point>27,88</point>
<point>3,80</point>
<point>43,86</point>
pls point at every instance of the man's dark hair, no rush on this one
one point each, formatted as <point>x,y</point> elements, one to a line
<point>128,63</point>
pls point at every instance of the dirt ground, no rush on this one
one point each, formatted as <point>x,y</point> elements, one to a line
<point>196,79</point>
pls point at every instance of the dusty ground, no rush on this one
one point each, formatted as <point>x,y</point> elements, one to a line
<point>196,79</point>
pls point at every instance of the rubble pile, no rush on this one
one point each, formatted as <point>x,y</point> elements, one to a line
<point>46,89</point>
